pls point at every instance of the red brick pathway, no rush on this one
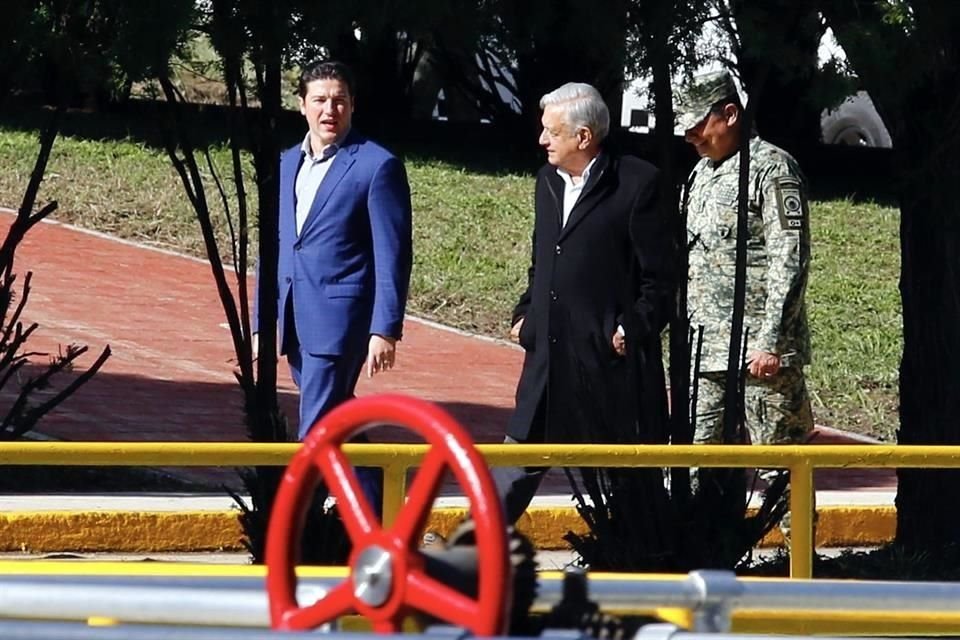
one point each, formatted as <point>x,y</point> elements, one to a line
<point>170,376</point>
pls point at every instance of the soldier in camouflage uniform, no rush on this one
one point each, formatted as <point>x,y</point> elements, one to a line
<point>777,407</point>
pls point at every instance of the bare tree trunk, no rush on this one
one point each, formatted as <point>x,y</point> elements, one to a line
<point>681,427</point>
<point>922,117</point>
<point>930,289</point>
<point>267,160</point>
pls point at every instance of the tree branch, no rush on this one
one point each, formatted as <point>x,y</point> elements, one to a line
<point>34,415</point>
<point>24,220</point>
<point>192,180</point>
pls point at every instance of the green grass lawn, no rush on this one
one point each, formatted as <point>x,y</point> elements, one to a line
<point>855,316</point>
<point>471,246</point>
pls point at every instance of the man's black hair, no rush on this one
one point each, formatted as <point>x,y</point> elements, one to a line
<point>329,70</point>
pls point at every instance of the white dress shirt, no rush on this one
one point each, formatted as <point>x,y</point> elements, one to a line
<point>309,177</point>
<point>571,190</point>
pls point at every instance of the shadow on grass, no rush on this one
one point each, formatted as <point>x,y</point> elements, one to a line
<point>477,147</point>
<point>834,171</point>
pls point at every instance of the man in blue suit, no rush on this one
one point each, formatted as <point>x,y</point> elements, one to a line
<point>345,252</point>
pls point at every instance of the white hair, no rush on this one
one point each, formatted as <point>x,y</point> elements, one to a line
<point>582,106</point>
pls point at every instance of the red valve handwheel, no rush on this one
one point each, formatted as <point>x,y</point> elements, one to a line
<point>387,578</point>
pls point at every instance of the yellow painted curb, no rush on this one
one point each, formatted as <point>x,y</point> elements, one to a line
<point>837,526</point>
<point>120,531</point>
<point>160,532</point>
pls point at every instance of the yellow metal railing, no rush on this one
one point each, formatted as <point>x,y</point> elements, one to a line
<point>397,459</point>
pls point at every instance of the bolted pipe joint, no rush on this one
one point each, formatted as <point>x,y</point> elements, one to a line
<point>716,593</point>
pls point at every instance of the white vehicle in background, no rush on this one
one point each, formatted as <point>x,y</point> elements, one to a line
<point>855,122</point>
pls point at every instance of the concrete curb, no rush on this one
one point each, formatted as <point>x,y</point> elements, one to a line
<point>197,531</point>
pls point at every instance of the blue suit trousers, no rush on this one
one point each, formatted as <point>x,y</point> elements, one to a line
<point>326,381</point>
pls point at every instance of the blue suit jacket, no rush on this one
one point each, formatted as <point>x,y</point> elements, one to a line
<point>349,269</point>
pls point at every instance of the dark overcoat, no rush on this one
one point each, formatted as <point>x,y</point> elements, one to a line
<point>610,265</point>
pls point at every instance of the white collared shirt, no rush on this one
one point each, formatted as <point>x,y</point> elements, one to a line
<point>571,190</point>
<point>309,177</point>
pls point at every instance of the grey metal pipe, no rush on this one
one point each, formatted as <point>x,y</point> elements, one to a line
<point>671,632</point>
<point>819,595</point>
<point>75,631</point>
<point>624,593</point>
<point>24,630</point>
<point>28,630</point>
<point>243,602</point>
<point>144,604</point>
<point>824,595</point>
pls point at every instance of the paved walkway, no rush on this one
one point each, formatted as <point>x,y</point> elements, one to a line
<point>171,373</point>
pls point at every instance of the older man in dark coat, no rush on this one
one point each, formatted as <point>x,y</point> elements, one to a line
<point>598,295</point>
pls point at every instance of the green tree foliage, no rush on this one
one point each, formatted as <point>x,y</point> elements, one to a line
<point>16,36</point>
<point>383,42</point>
<point>785,37</point>
<point>90,51</point>
<point>907,56</point>
<point>531,47</point>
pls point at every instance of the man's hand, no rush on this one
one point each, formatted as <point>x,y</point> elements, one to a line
<point>381,354</point>
<point>515,331</point>
<point>761,364</point>
<point>619,343</point>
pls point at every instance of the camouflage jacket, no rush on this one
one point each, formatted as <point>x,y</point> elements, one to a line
<point>778,255</point>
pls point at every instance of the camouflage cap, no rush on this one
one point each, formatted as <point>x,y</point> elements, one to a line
<point>694,102</point>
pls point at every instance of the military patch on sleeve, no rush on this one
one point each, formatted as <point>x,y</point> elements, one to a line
<point>790,205</point>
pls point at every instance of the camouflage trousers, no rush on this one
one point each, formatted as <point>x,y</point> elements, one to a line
<point>777,409</point>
